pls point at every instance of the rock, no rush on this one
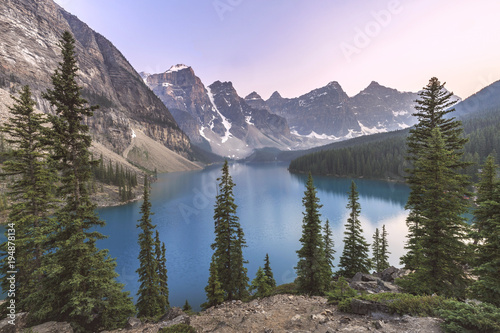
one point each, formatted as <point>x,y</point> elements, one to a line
<point>364,307</point>
<point>52,327</point>
<point>20,322</point>
<point>377,324</point>
<point>182,319</point>
<point>172,313</point>
<point>392,273</point>
<point>133,322</point>
<point>363,277</point>
<point>319,318</point>
<point>296,317</point>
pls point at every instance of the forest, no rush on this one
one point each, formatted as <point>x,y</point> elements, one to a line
<point>385,158</point>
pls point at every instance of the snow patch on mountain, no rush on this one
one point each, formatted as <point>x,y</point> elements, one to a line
<point>227,125</point>
<point>367,131</point>
<point>176,68</point>
<point>248,120</point>
<point>202,133</point>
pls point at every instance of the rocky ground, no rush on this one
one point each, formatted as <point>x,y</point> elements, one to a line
<point>280,313</point>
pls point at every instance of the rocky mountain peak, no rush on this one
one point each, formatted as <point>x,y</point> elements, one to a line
<point>253,96</point>
<point>178,67</point>
<point>275,95</point>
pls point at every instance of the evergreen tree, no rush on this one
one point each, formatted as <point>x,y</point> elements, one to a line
<point>329,246</point>
<point>384,250</point>
<point>442,227</point>
<point>355,254</point>
<point>312,268</point>
<point>487,232</point>
<point>261,284</point>
<point>229,241</point>
<point>268,272</point>
<point>162,272</point>
<point>214,291</point>
<point>379,250</point>
<point>376,250</point>
<point>485,193</point>
<point>433,105</point>
<point>79,285</point>
<point>187,307</point>
<point>149,302</point>
<point>31,191</point>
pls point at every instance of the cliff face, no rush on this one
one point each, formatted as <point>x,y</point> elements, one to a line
<point>30,31</point>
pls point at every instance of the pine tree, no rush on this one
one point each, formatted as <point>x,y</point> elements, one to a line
<point>384,250</point>
<point>443,227</point>
<point>187,307</point>
<point>229,241</point>
<point>149,302</point>
<point>80,284</point>
<point>379,250</point>
<point>355,254</point>
<point>261,284</point>
<point>329,246</point>
<point>376,251</point>
<point>312,268</point>
<point>31,191</point>
<point>214,291</point>
<point>268,272</point>
<point>487,234</point>
<point>161,260</point>
<point>433,105</point>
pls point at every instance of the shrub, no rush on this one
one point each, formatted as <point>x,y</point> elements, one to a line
<point>340,292</point>
<point>465,318</point>
<point>288,288</point>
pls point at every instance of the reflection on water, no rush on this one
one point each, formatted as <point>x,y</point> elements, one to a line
<point>269,201</point>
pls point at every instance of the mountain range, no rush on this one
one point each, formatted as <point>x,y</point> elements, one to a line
<point>217,119</point>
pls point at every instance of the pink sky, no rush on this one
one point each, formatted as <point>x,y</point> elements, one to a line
<point>294,46</point>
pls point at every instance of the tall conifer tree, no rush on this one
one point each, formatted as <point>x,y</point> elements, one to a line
<point>214,291</point>
<point>80,286</point>
<point>312,268</point>
<point>329,246</point>
<point>149,303</point>
<point>160,253</point>
<point>487,235</point>
<point>355,254</point>
<point>443,227</point>
<point>229,241</point>
<point>31,192</point>
<point>268,271</point>
<point>434,103</point>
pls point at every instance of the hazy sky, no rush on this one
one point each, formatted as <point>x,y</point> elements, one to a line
<point>294,46</point>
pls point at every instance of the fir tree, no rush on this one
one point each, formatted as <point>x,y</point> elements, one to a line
<point>268,272</point>
<point>376,251</point>
<point>433,105</point>
<point>384,250</point>
<point>261,286</point>
<point>329,246</point>
<point>161,260</point>
<point>187,307</point>
<point>379,250</point>
<point>149,302</point>
<point>355,254</point>
<point>229,241</point>
<point>32,194</point>
<point>312,268</point>
<point>79,285</point>
<point>487,233</point>
<point>443,228</point>
<point>214,291</point>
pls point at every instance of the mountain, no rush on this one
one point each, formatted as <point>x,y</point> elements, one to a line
<point>486,99</point>
<point>216,117</point>
<point>131,115</point>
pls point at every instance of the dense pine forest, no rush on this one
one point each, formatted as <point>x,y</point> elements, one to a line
<point>385,158</point>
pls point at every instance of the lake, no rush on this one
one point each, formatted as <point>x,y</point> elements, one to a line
<point>269,201</point>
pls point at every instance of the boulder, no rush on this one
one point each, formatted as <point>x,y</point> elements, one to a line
<point>52,327</point>
<point>363,277</point>
<point>364,307</point>
<point>172,313</point>
<point>133,322</point>
<point>392,273</point>
<point>182,319</point>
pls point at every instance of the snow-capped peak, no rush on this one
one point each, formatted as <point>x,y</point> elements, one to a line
<point>176,68</point>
